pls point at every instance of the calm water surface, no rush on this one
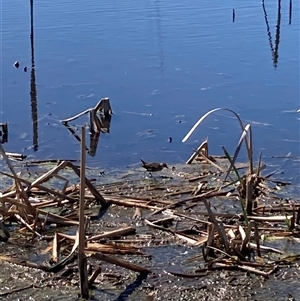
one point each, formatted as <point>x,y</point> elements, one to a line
<point>163,64</point>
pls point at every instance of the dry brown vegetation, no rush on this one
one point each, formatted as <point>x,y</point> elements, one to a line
<point>225,208</point>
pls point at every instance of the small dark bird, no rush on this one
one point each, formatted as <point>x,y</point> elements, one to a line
<point>153,167</point>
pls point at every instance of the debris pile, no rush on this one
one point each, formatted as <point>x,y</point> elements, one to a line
<point>226,209</point>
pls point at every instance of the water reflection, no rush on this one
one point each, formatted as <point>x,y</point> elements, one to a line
<point>160,37</point>
<point>3,133</point>
<point>290,12</point>
<point>33,91</point>
<point>274,50</point>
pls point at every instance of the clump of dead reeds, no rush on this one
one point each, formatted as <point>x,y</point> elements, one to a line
<point>233,239</point>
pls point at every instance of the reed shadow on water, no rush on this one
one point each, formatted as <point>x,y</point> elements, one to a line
<point>274,50</point>
<point>131,287</point>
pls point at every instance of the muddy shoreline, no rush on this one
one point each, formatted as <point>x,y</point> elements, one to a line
<point>172,261</point>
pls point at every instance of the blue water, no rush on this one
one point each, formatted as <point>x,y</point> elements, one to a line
<point>163,64</point>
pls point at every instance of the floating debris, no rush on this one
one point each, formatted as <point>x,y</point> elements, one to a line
<point>16,64</point>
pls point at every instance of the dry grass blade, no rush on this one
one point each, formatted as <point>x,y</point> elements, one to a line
<point>19,218</point>
<point>238,148</point>
<point>184,237</point>
<point>256,271</point>
<point>269,249</point>
<point>276,218</point>
<point>219,226</point>
<point>130,203</point>
<point>55,249</point>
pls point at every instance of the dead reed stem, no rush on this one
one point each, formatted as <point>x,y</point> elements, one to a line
<point>82,260</point>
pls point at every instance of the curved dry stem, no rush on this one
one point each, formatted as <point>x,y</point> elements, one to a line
<point>248,143</point>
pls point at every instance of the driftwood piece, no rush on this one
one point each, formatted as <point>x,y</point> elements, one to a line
<point>122,263</point>
<point>115,233</point>
<point>112,249</point>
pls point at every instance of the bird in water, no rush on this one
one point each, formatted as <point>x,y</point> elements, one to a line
<point>153,167</point>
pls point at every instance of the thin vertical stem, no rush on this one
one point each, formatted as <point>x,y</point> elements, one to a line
<point>82,260</point>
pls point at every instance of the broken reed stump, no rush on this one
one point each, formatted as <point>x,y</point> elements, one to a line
<point>99,122</point>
